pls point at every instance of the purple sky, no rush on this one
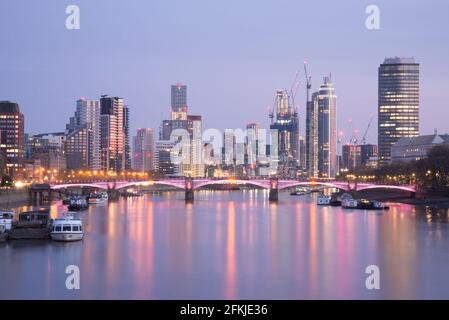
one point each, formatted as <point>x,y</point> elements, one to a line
<point>232,54</point>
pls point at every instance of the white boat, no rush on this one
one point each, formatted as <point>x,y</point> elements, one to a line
<point>67,229</point>
<point>349,203</point>
<point>346,196</point>
<point>6,219</point>
<point>323,200</point>
<point>95,198</point>
<point>104,195</point>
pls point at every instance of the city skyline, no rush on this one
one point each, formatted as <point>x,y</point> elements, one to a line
<point>241,83</point>
<point>220,153</point>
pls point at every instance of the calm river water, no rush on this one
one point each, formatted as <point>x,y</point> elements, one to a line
<point>235,245</point>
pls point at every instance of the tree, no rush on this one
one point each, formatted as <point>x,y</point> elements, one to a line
<point>6,181</point>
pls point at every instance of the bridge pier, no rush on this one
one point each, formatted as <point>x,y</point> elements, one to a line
<point>189,195</point>
<point>40,193</point>
<point>273,194</point>
<point>113,194</point>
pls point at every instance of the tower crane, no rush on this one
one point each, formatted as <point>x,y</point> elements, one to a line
<point>367,128</point>
<point>308,81</point>
<point>294,88</point>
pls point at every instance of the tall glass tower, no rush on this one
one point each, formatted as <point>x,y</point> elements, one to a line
<point>398,103</point>
<point>326,104</point>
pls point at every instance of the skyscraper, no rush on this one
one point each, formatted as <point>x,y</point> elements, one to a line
<point>196,146</point>
<point>286,124</point>
<point>143,154</point>
<point>179,119</point>
<point>302,155</point>
<point>398,103</point>
<point>83,136</point>
<point>112,134</point>
<point>312,137</point>
<point>12,137</point>
<point>252,147</point>
<point>326,101</point>
<point>126,137</point>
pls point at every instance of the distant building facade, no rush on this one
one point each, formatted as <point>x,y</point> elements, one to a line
<point>143,150</point>
<point>358,156</point>
<point>47,150</point>
<point>162,158</point>
<point>12,137</point>
<point>415,148</point>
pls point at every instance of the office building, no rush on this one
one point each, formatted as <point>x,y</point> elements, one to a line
<point>12,137</point>
<point>398,103</point>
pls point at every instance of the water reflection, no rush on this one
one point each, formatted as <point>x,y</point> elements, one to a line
<point>236,245</point>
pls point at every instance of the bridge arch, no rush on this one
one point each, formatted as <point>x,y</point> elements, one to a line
<point>173,183</point>
<point>290,184</point>
<point>265,184</point>
<point>386,186</point>
<point>103,186</point>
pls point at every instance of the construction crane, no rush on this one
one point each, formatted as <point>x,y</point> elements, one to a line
<point>367,128</point>
<point>308,81</point>
<point>291,95</point>
<point>294,88</point>
<point>271,112</point>
<point>353,139</point>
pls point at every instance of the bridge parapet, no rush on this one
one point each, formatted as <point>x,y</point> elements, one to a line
<point>195,184</point>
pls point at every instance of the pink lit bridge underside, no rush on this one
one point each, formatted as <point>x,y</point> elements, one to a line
<point>263,183</point>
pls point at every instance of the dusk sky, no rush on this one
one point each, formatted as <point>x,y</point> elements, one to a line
<point>233,55</point>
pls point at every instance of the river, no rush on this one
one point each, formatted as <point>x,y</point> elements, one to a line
<point>235,245</point>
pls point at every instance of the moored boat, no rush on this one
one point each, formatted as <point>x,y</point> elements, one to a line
<point>78,204</point>
<point>6,219</point>
<point>349,203</point>
<point>132,193</point>
<point>323,200</point>
<point>34,224</point>
<point>299,191</point>
<point>365,204</point>
<point>67,229</point>
<point>95,198</point>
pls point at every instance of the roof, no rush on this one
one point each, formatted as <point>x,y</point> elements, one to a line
<point>423,140</point>
<point>399,60</point>
<point>9,107</point>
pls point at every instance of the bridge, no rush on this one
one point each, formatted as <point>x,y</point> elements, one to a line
<point>271,184</point>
